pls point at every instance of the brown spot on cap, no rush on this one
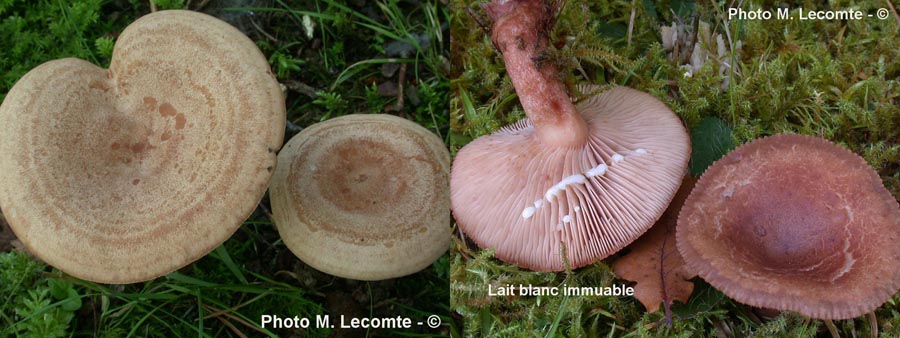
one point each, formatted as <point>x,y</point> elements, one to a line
<point>99,84</point>
<point>166,110</point>
<point>180,121</point>
<point>371,187</point>
<point>794,223</point>
<point>140,147</point>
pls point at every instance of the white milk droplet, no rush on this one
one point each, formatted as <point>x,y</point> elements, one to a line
<point>528,212</point>
<point>596,171</point>
<point>556,189</point>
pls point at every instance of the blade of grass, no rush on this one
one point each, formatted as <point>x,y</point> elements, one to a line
<point>346,74</point>
<point>552,332</point>
<point>221,253</point>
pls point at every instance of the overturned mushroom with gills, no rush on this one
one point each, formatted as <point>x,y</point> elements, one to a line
<point>572,183</point>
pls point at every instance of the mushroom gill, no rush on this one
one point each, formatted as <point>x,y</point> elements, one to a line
<point>586,179</point>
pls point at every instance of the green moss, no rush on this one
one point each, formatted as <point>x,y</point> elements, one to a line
<point>837,79</point>
<point>34,32</point>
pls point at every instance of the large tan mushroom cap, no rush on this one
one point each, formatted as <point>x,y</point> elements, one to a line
<point>526,200</point>
<point>795,223</point>
<point>124,175</point>
<point>364,197</point>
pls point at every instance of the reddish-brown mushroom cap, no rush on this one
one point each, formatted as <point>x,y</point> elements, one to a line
<point>794,223</point>
<point>527,200</point>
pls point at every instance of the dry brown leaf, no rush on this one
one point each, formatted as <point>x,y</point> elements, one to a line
<point>654,262</point>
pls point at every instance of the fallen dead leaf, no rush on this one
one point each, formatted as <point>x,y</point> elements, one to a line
<point>655,264</point>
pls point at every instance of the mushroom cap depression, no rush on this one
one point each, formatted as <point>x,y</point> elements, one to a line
<point>364,197</point>
<point>527,200</point>
<point>126,174</point>
<point>797,223</point>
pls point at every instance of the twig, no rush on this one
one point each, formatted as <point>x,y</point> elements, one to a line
<point>750,313</point>
<point>232,327</point>
<point>893,10</point>
<point>832,329</point>
<point>873,324</point>
<point>554,8</point>
<point>201,5</point>
<point>694,39</point>
<point>152,6</point>
<point>721,331</point>
<point>301,88</point>
<point>235,318</point>
<point>462,240</point>
<point>266,211</point>
<point>630,31</point>
<point>253,22</point>
<point>293,127</point>
<point>731,42</point>
<point>401,90</point>
<point>484,26</point>
<point>662,279</point>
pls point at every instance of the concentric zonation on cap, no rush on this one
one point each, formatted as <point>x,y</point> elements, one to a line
<point>364,196</point>
<point>123,175</point>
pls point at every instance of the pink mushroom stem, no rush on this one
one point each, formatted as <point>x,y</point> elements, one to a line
<point>520,32</point>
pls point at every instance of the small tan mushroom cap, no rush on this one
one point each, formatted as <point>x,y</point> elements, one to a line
<point>795,223</point>
<point>126,174</point>
<point>502,185</point>
<point>364,197</point>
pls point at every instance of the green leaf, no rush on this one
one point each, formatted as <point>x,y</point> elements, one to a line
<point>59,288</point>
<point>710,140</point>
<point>705,299</point>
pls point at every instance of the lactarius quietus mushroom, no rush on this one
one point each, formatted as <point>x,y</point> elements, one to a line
<point>126,174</point>
<point>794,223</point>
<point>588,177</point>
<point>364,197</point>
